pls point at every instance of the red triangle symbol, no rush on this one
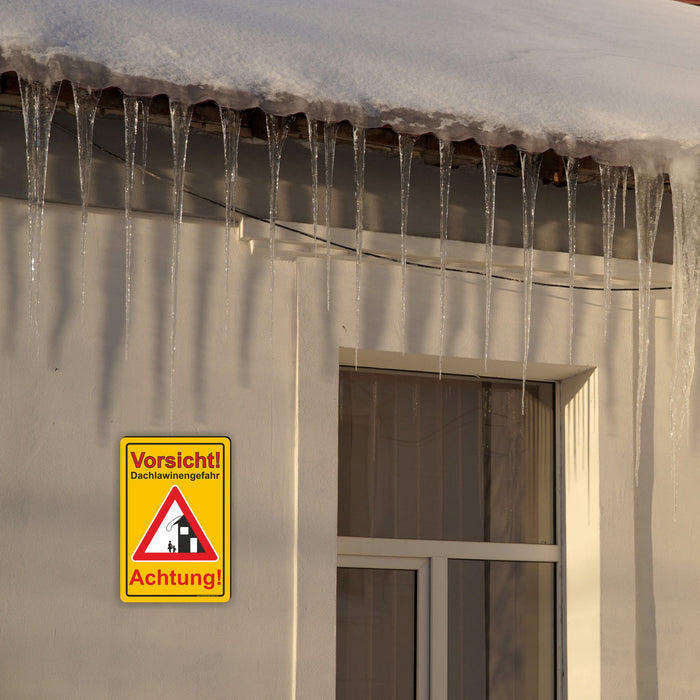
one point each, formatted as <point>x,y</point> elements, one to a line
<point>191,544</point>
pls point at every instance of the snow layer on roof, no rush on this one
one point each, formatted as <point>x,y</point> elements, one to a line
<point>619,79</point>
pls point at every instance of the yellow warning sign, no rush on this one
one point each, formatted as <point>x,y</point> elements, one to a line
<point>175,519</point>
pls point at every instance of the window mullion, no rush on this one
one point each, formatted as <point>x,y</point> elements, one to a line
<point>423,632</point>
<point>438,628</point>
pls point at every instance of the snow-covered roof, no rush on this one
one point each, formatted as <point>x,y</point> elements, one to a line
<point>617,79</point>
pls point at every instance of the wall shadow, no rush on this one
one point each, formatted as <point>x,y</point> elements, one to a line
<point>159,235</point>
<point>68,259</point>
<point>202,333</point>
<point>246,306</point>
<point>112,334</point>
<point>14,226</point>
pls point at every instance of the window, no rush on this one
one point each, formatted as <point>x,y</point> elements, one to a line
<point>447,538</point>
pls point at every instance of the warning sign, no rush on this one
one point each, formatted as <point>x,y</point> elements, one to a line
<point>175,519</point>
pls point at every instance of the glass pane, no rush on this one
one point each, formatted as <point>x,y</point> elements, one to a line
<point>376,634</point>
<point>501,630</point>
<point>450,459</point>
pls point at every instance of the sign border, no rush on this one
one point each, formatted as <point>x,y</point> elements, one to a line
<point>224,557</point>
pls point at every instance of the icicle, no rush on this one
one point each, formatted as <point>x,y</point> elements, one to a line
<point>144,108</point>
<point>530,171</point>
<point>277,128</point>
<point>406,144</point>
<point>649,190</point>
<point>38,105</point>
<point>685,182</point>
<point>85,102</point>
<point>180,118</point>
<point>609,182</point>
<point>623,178</point>
<point>313,147</point>
<point>330,133</point>
<point>131,119</point>
<point>358,143</point>
<point>230,130</point>
<point>489,157</point>
<point>446,152</point>
<point>572,166</point>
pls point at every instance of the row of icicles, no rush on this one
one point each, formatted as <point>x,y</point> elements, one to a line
<point>38,104</point>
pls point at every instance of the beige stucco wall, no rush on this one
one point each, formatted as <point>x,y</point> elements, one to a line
<point>632,606</point>
<point>65,634</point>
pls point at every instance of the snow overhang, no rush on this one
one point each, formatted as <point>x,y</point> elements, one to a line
<point>618,81</point>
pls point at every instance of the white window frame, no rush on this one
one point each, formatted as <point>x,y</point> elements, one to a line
<point>424,585</point>
<point>430,559</point>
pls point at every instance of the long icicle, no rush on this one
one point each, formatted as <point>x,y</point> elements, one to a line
<point>571,169</point>
<point>609,181</point>
<point>85,102</point>
<point>180,118</point>
<point>230,130</point>
<point>685,182</point>
<point>312,126</point>
<point>144,109</point>
<point>530,172</point>
<point>330,134</point>
<point>38,105</point>
<point>406,144</point>
<point>131,120</point>
<point>446,153</point>
<point>489,158</point>
<point>358,144</point>
<point>649,190</point>
<point>277,129</point>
